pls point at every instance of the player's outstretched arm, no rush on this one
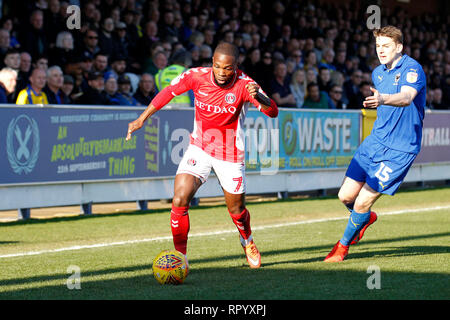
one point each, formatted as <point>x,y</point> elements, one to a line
<point>179,85</point>
<point>139,122</point>
<point>159,101</point>
<point>268,106</point>
<point>401,99</point>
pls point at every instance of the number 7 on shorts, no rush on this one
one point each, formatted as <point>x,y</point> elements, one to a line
<point>239,183</point>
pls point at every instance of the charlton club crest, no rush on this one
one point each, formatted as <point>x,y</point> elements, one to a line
<point>230,98</point>
<point>192,162</point>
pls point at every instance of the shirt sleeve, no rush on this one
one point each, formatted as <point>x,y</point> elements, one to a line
<point>374,83</point>
<point>179,85</point>
<point>414,77</point>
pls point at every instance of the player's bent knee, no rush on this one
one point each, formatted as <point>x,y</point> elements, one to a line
<point>349,190</point>
<point>345,197</point>
<point>366,199</point>
<point>180,201</point>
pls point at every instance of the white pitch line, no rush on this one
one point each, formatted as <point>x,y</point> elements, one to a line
<point>204,234</point>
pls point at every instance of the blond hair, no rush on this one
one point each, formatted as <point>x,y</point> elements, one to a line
<point>6,72</point>
<point>391,32</point>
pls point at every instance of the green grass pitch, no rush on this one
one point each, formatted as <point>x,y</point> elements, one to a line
<point>409,245</point>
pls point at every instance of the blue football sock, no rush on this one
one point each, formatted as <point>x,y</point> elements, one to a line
<point>355,223</point>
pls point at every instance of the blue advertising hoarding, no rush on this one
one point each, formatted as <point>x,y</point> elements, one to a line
<point>57,144</point>
<point>86,144</point>
<point>318,139</point>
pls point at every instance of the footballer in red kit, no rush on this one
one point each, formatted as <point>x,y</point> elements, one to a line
<point>219,111</point>
<point>223,94</point>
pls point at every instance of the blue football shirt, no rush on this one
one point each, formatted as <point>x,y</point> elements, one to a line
<point>400,128</point>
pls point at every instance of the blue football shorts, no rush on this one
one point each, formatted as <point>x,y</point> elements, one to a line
<point>382,168</point>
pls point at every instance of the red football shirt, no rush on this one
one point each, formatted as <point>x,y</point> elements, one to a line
<point>219,111</point>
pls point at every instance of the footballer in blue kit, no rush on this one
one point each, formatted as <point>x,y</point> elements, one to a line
<point>383,159</point>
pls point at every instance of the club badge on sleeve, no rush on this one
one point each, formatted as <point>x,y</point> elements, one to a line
<point>411,77</point>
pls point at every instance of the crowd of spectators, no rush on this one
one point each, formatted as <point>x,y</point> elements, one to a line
<point>302,54</point>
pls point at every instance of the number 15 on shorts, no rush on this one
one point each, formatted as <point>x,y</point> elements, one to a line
<point>383,174</point>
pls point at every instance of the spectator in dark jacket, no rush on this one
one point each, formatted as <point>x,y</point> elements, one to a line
<point>93,93</point>
<point>33,38</point>
<point>55,81</point>
<point>324,79</point>
<point>148,39</point>
<point>280,89</point>
<point>24,73</point>
<point>339,63</point>
<point>351,86</point>
<point>121,41</point>
<point>67,87</point>
<point>111,88</point>
<point>105,36</point>
<point>54,22</point>
<point>63,50</point>
<point>4,44</point>
<point>167,27</point>
<point>357,101</point>
<point>100,63</point>
<point>90,45</point>
<point>264,71</point>
<point>125,97</point>
<point>146,90</point>
<point>336,97</point>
